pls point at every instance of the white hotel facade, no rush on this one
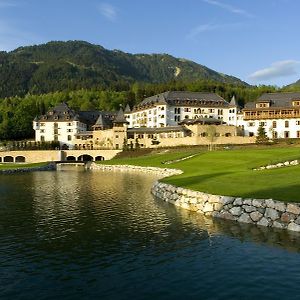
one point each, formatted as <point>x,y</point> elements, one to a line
<point>171,108</point>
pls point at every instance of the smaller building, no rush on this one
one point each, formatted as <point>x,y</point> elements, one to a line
<point>278,113</point>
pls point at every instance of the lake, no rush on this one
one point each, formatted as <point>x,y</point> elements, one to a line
<point>101,235</point>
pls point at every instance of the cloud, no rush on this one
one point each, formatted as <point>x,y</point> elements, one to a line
<point>228,7</point>
<point>194,32</point>
<point>108,11</point>
<point>202,28</point>
<point>277,69</point>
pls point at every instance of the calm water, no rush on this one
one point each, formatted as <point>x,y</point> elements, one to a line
<point>84,235</point>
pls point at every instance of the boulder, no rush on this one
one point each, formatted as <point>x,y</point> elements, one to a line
<point>256,216</point>
<point>293,208</point>
<point>208,207</point>
<point>245,218</point>
<point>263,222</point>
<point>293,227</point>
<point>272,214</point>
<point>236,211</point>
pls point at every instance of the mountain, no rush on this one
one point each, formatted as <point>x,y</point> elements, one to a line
<point>72,65</point>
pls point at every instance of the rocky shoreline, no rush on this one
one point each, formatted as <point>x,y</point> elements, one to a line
<point>49,167</point>
<point>263,212</point>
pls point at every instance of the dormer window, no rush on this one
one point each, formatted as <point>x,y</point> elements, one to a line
<point>296,103</point>
<point>56,118</point>
<point>51,113</point>
<point>262,104</point>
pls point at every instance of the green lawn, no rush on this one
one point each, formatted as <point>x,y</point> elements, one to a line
<point>229,172</point>
<point>9,166</point>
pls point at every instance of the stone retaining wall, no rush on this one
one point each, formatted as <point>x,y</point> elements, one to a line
<point>162,172</point>
<point>256,211</point>
<point>49,167</point>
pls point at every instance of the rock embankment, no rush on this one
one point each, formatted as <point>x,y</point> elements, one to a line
<point>279,165</point>
<point>162,172</point>
<point>261,212</point>
<point>49,167</point>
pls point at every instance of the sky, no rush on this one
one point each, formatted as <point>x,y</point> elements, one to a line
<point>254,40</point>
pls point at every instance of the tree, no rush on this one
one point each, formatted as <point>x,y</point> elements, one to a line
<point>261,136</point>
<point>211,136</point>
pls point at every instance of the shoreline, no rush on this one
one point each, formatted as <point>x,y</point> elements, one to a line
<point>48,167</point>
<point>261,212</point>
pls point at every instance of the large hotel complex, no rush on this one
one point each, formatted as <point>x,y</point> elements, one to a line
<point>171,119</point>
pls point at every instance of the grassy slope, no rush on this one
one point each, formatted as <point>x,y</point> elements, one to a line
<point>230,172</point>
<point>8,166</point>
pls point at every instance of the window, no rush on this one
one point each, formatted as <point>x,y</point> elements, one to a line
<point>117,136</point>
<point>42,124</point>
<point>296,103</point>
<point>286,124</point>
<point>274,134</point>
<point>55,138</point>
<point>55,131</point>
<point>69,124</point>
<point>274,124</point>
<point>69,130</point>
<point>262,105</point>
<point>69,138</point>
<point>42,131</point>
<point>298,134</point>
<point>187,109</point>
<point>286,134</point>
<point>42,138</point>
<point>297,122</point>
<point>251,124</point>
<point>262,123</point>
<point>251,133</point>
<point>177,110</point>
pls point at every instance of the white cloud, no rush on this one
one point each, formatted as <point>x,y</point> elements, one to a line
<point>202,28</point>
<point>108,11</point>
<point>194,32</point>
<point>277,69</point>
<point>228,7</point>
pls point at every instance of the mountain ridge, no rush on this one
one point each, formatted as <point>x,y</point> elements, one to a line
<point>71,65</point>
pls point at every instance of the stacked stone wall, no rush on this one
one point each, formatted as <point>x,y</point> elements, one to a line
<point>263,212</point>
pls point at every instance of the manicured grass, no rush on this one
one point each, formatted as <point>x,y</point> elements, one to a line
<point>9,166</point>
<point>229,172</point>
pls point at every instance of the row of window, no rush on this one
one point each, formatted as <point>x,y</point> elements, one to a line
<point>274,124</point>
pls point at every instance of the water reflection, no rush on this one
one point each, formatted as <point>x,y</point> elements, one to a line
<point>93,234</point>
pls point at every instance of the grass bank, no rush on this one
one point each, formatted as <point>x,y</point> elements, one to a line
<point>229,172</point>
<point>11,166</point>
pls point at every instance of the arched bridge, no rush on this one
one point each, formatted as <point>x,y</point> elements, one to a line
<point>36,156</point>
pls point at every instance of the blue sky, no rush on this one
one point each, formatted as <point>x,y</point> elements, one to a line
<point>255,40</point>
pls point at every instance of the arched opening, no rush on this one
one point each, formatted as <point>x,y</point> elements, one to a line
<point>8,159</point>
<point>228,134</point>
<point>0,159</point>
<point>71,158</point>
<point>99,158</point>
<point>85,157</point>
<point>20,159</point>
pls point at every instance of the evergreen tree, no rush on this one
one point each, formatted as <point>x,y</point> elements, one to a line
<point>261,137</point>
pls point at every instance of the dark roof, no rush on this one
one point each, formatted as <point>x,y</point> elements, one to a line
<point>184,98</point>
<point>60,113</point>
<point>127,109</point>
<point>120,118</point>
<point>275,100</point>
<point>105,119</point>
<point>157,130</point>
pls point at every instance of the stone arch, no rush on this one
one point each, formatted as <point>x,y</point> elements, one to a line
<point>20,159</point>
<point>227,134</point>
<point>85,157</point>
<point>99,158</point>
<point>71,158</point>
<point>8,159</point>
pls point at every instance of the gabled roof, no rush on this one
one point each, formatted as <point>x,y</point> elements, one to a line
<point>127,109</point>
<point>105,119</point>
<point>275,100</point>
<point>184,98</point>
<point>120,118</point>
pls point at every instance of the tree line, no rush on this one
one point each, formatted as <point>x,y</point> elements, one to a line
<point>17,113</point>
